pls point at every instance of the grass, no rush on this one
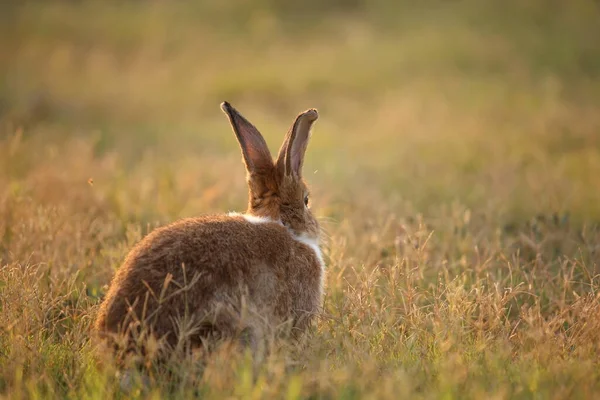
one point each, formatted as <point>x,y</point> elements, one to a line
<point>455,168</point>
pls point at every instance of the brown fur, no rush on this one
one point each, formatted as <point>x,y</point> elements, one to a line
<point>222,275</point>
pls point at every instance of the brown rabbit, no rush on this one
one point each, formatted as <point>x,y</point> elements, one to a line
<point>228,274</point>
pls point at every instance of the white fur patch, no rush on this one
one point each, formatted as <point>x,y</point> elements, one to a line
<point>313,243</point>
<point>254,219</point>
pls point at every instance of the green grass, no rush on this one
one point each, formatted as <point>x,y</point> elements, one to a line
<point>455,166</point>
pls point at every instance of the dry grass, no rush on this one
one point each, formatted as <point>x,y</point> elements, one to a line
<point>456,166</point>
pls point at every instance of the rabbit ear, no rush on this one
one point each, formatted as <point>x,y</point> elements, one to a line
<point>291,153</point>
<point>254,148</point>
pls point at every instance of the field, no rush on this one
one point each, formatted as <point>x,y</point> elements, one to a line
<point>455,167</point>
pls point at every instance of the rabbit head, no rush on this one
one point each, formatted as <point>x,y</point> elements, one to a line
<point>276,188</point>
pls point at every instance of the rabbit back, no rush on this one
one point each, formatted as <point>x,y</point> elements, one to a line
<point>219,274</point>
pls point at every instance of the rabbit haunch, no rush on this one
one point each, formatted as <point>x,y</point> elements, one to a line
<point>232,273</point>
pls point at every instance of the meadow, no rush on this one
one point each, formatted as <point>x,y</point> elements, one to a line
<point>455,168</point>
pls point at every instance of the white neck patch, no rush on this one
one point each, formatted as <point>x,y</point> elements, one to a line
<point>312,243</point>
<point>253,219</point>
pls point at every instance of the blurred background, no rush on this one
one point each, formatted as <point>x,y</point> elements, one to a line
<point>491,105</point>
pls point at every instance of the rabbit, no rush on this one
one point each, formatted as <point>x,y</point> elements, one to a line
<point>227,275</point>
